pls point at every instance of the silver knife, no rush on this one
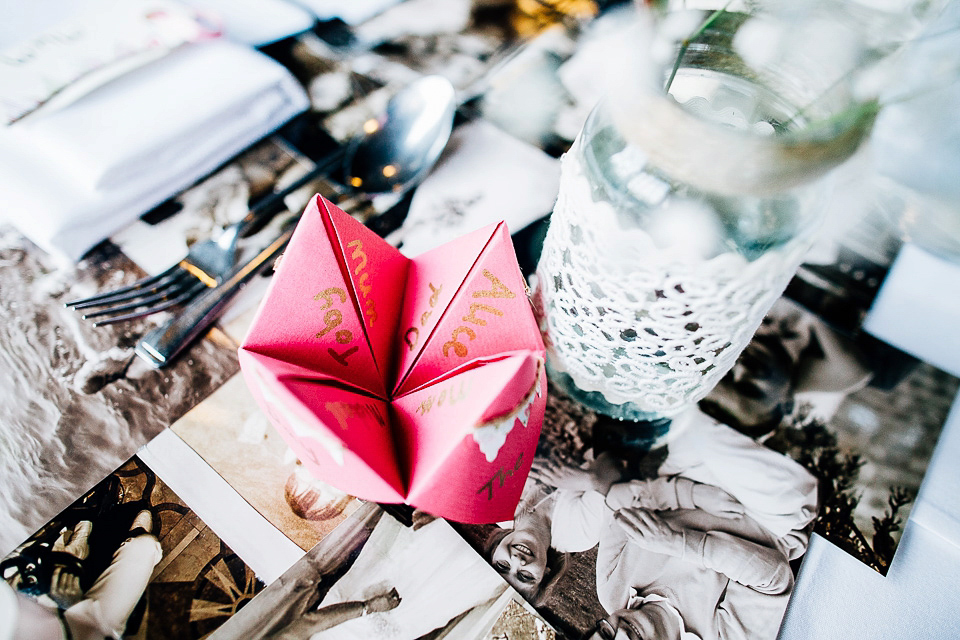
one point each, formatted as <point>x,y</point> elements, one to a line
<point>161,345</point>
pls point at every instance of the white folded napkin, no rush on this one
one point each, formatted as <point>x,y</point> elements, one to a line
<point>484,176</point>
<point>71,177</point>
<point>256,22</point>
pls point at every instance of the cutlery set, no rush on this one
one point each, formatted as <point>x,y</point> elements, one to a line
<point>394,153</point>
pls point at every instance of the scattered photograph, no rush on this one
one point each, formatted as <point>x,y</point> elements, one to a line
<point>77,402</point>
<point>705,535</point>
<point>130,559</point>
<point>236,439</point>
<point>377,576</point>
<point>520,621</point>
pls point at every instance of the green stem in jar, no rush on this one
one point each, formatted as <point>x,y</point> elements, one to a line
<point>693,36</point>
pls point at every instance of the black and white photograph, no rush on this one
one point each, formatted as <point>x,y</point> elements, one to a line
<point>128,559</point>
<point>376,576</point>
<point>705,535</point>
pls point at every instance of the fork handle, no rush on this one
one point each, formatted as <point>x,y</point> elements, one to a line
<point>161,345</point>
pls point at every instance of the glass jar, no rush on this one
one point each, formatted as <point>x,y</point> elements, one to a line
<point>680,219</point>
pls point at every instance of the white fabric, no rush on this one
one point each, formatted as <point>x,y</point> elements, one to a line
<point>918,307</point>
<point>252,22</point>
<point>20,20</point>
<point>8,611</point>
<point>256,22</point>
<point>435,572</point>
<point>72,177</point>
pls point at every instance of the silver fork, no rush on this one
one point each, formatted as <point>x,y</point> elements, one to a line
<point>204,266</point>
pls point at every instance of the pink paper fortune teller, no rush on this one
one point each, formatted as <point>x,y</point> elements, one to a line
<point>417,380</point>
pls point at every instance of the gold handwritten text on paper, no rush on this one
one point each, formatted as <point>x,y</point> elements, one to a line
<point>362,281</point>
<point>412,335</point>
<point>497,290</point>
<point>451,393</point>
<point>344,411</point>
<point>332,319</point>
<point>501,476</point>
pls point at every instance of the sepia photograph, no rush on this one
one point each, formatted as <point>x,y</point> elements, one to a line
<point>236,439</point>
<point>128,559</point>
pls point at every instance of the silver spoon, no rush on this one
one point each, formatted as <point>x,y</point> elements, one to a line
<point>400,147</point>
<point>393,157</point>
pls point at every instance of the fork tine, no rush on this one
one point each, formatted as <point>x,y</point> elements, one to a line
<point>170,285</point>
<point>128,303</point>
<point>107,296</point>
<point>183,297</point>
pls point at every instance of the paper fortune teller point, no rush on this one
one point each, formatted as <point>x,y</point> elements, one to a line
<point>402,380</point>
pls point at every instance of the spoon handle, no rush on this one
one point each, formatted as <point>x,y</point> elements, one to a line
<point>268,203</point>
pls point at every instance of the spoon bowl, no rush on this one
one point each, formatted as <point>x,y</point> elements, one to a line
<point>396,150</point>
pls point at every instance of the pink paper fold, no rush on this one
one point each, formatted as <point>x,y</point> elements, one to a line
<point>402,380</point>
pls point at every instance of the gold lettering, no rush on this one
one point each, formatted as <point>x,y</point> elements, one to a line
<point>497,290</point>
<point>371,312</point>
<point>435,295</point>
<point>331,319</point>
<point>476,306</point>
<point>327,294</point>
<point>411,341</point>
<point>458,347</point>
<point>362,284</point>
<point>358,254</point>
<point>426,405</point>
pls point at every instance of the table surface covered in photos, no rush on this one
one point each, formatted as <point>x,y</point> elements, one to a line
<point>60,371</point>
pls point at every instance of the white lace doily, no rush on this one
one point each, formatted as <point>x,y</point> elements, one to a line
<point>639,322</point>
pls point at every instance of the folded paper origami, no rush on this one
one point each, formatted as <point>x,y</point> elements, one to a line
<point>400,380</point>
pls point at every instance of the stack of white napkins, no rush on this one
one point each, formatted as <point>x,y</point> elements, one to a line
<point>71,177</point>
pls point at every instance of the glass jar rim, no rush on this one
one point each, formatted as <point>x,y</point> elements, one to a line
<point>727,160</point>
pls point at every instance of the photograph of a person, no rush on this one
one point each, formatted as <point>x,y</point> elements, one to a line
<point>236,439</point>
<point>863,417</point>
<point>703,537</point>
<point>126,557</point>
<point>376,576</point>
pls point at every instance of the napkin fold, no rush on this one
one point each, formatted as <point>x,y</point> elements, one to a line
<point>71,177</point>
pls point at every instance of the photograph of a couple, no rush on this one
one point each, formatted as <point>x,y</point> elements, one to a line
<point>703,538</point>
